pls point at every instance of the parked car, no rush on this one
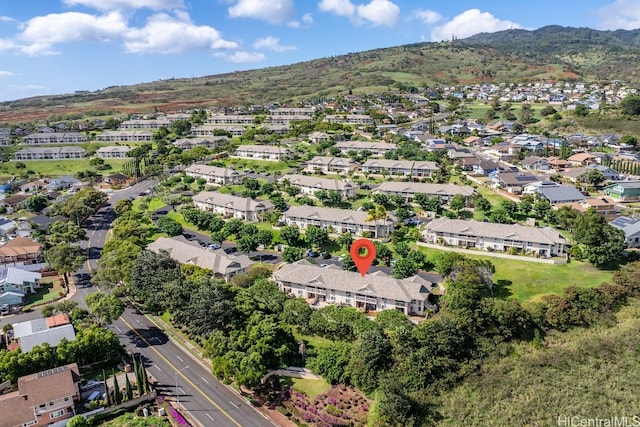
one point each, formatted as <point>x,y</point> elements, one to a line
<point>311,254</point>
<point>214,246</point>
<point>230,250</point>
<point>90,384</point>
<point>4,309</point>
<point>325,255</point>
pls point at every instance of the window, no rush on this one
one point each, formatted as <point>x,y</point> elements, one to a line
<point>51,403</point>
<point>30,423</point>
<point>57,414</point>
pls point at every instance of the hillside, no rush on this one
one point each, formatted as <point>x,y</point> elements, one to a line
<point>550,53</point>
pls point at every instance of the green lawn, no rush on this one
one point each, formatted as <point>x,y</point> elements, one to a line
<point>311,388</point>
<point>257,165</point>
<point>524,280</point>
<point>49,291</point>
<point>59,167</point>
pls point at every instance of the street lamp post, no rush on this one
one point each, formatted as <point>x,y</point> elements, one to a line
<point>177,390</point>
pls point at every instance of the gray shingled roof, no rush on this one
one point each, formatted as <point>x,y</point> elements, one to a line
<point>376,284</point>
<point>318,183</point>
<point>561,194</point>
<point>404,164</point>
<point>492,230</point>
<point>346,216</point>
<point>424,188</point>
<point>244,204</point>
<point>184,252</point>
<point>213,170</point>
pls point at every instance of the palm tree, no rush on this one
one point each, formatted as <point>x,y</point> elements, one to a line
<point>375,214</point>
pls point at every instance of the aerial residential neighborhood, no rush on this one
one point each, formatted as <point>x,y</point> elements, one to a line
<point>396,252</point>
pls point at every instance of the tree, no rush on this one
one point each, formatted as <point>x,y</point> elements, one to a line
<point>128,390</point>
<point>296,312</point>
<point>602,242</point>
<point>376,214</point>
<point>290,235</point>
<point>170,226</point>
<point>65,258</point>
<point>331,362</point>
<point>547,111</point>
<point>404,268</point>
<point>117,393</point>
<point>345,240</point>
<point>370,356</point>
<point>149,275</point>
<point>394,405</point>
<point>595,177</point>
<point>482,204</point>
<point>402,249</point>
<point>292,254</point>
<point>264,237</point>
<point>541,208</point>
<point>36,203</point>
<point>105,307</point>
<point>247,243</point>
<point>429,204</point>
<point>629,140</point>
<point>630,105</point>
<point>66,232</point>
<point>316,236</point>
<point>78,421</point>
<point>116,262</point>
<point>383,253</point>
<point>511,208</point>
<point>457,203</point>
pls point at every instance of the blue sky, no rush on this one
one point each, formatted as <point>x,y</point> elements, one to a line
<point>60,46</point>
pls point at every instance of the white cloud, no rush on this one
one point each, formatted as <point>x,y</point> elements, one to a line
<point>241,57</point>
<point>339,7</point>
<point>166,34</point>
<point>7,19</point>
<point>427,16</point>
<point>307,21</point>
<point>470,22</point>
<point>4,73</point>
<point>380,13</point>
<point>127,4</point>
<point>621,14</point>
<point>273,12</point>
<point>42,32</point>
<point>271,43</point>
<point>376,12</point>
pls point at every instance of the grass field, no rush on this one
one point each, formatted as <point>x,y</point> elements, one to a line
<point>50,290</point>
<point>48,168</point>
<point>525,281</point>
<point>311,388</point>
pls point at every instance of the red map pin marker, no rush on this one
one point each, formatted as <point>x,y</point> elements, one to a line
<point>363,262</point>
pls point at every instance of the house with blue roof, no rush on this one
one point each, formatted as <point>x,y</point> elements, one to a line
<point>631,229</point>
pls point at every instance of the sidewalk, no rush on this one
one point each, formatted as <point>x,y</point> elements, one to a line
<point>273,415</point>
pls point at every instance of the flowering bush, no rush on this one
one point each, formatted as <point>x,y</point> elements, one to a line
<point>178,417</point>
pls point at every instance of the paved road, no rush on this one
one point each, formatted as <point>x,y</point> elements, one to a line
<point>208,401</point>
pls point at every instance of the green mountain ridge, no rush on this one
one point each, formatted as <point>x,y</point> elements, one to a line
<point>512,56</point>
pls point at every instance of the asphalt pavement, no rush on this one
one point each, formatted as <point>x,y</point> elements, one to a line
<point>178,373</point>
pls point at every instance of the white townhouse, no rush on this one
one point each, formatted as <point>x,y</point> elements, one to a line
<point>210,130</point>
<point>376,148</point>
<point>408,190</point>
<point>50,153</point>
<point>230,206</point>
<point>208,143</point>
<point>125,136</point>
<point>262,152</point>
<point>349,119</point>
<point>327,164</point>
<point>545,242</point>
<point>373,292</point>
<point>5,137</point>
<point>232,119</point>
<point>215,175</point>
<point>55,138</point>
<point>186,252</point>
<point>113,152</point>
<point>146,124</point>
<point>400,167</point>
<point>293,111</point>
<point>285,119</point>
<point>310,184</point>
<point>339,220</point>
<point>317,137</point>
